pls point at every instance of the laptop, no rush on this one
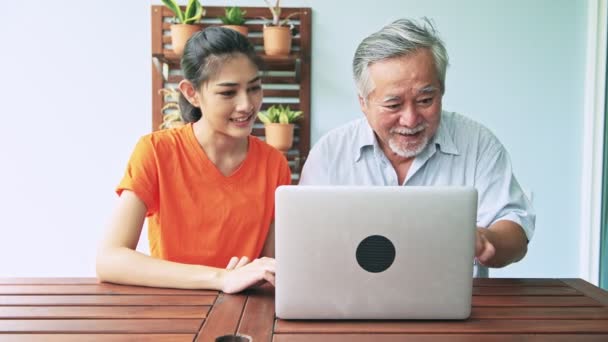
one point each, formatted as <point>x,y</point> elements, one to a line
<point>362,252</point>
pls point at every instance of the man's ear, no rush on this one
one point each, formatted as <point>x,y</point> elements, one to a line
<point>189,92</point>
<point>362,104</point>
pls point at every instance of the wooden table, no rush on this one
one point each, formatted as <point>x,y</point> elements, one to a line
<point>80,309</point>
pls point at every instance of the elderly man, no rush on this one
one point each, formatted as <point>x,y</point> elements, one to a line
<point>407,139</point>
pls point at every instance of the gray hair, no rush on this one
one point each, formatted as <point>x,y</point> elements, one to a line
<point>400,38</point>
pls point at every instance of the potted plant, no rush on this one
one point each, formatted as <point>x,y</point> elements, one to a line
<point>278,122</point>
<point>185,23</point>
<point>234,19</point>
<point>278,32</point>
<point>171,114</point>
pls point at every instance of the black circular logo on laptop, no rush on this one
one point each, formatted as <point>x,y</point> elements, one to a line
<point>375,253</point>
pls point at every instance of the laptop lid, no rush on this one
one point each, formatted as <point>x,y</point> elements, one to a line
<point>360,252</point>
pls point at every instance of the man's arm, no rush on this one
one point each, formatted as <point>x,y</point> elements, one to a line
<point>503,243</point>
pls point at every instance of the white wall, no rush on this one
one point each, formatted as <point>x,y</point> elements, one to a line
<point>76,96</point>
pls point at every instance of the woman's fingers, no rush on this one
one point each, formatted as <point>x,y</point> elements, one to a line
<point>269,277</point>
<point>232,263</point>
<point>235,262</point>
<point>244,261</point>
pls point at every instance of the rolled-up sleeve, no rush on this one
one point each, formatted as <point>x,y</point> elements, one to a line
<point>500,195</point>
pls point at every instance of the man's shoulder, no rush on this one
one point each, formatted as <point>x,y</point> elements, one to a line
<point>349,132</point>
<point>467,131</point>
<point>463,125</point>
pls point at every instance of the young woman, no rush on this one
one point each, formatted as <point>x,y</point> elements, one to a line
<point>207,188</point>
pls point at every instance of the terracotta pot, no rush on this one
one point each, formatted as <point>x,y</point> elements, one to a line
<point>180,33</point>
<point>277,40</point>
<point>244,30</point>
<point>279,136</point>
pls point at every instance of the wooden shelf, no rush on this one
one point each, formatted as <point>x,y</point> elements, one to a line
<point>288,77</point>
<point>171,58</point>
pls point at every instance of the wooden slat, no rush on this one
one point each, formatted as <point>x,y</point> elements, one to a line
<point>278,80</point>
<point>224,317</point>
<point>113,326</point>
<point>531,301</point>
<point>258,316</point>
<point>48,281</point>
<point>255,29</point>
<point>525,291</point>
<point>272,63</point>
<point>305,96</point>
<point>97,289</point>
<point>445,327</point>
<point>217,11</point>
<point>265,80</point>
<point>157,27</point>
<point>295,41</point>
<point>127,300</point>
<point>103,312</point>
<point>281,93</point>
<point>589,290</point>
<point>540,313</point>
<point>98,338</point>
<point>438,338</point>
<point>517,282</point>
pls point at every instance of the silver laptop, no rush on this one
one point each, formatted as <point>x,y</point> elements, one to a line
<point>358,252</point>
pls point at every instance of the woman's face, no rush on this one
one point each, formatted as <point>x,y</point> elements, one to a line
<point>231,99</point>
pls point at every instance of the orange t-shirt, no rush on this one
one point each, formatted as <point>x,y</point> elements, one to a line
<point>195,214</point>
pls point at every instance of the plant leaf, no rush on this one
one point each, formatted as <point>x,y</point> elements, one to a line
<point>283,118</point>
<point>285,21</point>
<point>174,7</point>
<point>194,12</point>
<point>264,118</point>
<point>294,116</point>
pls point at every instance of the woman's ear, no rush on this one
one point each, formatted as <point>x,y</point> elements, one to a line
<point>189,92</point>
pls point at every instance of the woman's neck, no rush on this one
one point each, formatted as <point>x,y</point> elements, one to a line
<point>218,145</point>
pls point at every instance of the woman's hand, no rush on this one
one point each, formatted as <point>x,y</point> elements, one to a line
<point>242,274</point>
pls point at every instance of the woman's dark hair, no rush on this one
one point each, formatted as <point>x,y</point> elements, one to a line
<point>204,54</point>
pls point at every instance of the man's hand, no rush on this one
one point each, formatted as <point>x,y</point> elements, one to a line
<point>484,249</point>
<point>503,243</point>
<point>242,274</point>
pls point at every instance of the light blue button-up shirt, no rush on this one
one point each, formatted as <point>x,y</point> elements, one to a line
<point>461,153</point>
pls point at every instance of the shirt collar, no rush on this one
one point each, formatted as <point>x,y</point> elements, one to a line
<point>443,139</point>
<point>366,139</point>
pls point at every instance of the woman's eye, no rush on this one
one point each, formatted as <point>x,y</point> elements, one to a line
<point>228,93</point>
<point>254,89</point>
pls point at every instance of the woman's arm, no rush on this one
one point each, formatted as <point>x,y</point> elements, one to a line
<point>119,262</point>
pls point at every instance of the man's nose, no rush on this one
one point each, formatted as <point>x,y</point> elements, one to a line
<point>409,117</point>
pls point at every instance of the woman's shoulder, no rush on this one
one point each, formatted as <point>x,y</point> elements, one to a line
<point>167,139</point>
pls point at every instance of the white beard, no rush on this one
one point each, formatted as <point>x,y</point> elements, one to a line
<point>408,150</point>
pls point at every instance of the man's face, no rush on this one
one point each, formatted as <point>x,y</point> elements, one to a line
<point>404,106</point>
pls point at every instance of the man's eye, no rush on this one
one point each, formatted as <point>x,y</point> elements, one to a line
<point>426,101</point>
<point>393,106</point>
